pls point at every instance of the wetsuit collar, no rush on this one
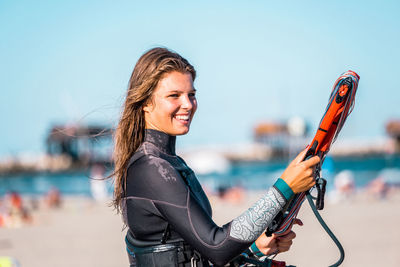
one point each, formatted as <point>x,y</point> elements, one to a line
<point>163,141</point>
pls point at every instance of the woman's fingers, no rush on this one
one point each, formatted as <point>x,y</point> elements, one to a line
<point>299,175</point>
<point>300,157</point>
<point>288,237</point>
<point>285,242</point>
<point>311,162</point>
<point>284,246</point>
<point>298,221</point>
<point>271,250</point>
<point>267,245</point>
<point>309,172</point>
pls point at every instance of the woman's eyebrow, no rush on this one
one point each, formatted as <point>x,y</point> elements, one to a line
<point>181,91</point>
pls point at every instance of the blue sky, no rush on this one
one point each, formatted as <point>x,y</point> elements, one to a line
<point>70,61</point>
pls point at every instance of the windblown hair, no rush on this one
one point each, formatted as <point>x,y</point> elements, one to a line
<point>129,134</point>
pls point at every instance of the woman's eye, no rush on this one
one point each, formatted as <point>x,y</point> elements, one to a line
<point>192,94</point>
<point>174,95</point>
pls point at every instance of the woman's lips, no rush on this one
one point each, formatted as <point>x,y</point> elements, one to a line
<point>183,118</point>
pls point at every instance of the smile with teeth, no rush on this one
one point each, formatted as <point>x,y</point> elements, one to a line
<point>183,118</point>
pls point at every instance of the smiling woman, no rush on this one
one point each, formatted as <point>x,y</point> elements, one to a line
<point>168,215</point>
<point>173,105</point>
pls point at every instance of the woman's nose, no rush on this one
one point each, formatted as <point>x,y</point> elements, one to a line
<point>187,102</point>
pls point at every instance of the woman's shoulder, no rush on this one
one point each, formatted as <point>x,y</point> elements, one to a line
<point>154,178</point>
<point>150,165</point>
<point>144,153</point>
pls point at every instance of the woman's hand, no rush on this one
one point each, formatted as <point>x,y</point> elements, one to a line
<point>299,175</point>
<point>276,244</point>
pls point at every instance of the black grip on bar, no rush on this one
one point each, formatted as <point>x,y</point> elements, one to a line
<point>321,188</point>
<point>312,150</point>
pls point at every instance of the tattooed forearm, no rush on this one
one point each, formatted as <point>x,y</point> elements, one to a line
<point>254,221</point>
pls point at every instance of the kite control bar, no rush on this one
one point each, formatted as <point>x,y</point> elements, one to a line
<point>340,105</point>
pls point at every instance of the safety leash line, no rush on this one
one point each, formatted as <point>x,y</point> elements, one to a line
<point>326,228</point>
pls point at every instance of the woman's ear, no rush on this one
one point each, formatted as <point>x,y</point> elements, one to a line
<point>148,107</point>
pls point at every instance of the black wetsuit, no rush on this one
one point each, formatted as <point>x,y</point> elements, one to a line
<point>162,191</point>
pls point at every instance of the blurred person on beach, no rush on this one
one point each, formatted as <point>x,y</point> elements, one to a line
<point>344,186</point>
<point>53,198</point>
<point>13,213</point>
<point>168,215</point>
<point>98,186</point>
<point>378,188</point>
<point>3,212</point>
<point>234,194</point>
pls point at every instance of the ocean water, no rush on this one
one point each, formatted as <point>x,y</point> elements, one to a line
<point>253,176</point>
<point>262,175</point>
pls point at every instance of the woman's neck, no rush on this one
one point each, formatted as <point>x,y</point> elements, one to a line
<point>162,140</point>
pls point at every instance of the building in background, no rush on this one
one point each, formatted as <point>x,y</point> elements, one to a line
<point>283,139</point>
<point>83,145</point>
<point>393,131</point>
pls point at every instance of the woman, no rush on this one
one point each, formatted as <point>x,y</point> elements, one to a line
<point>167,213</point>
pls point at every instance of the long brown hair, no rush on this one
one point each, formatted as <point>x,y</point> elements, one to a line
<point>129,134</point>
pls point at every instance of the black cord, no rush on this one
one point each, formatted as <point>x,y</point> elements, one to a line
<point>326,228</point>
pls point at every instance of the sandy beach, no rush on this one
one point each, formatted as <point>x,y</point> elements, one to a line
<point>86,233</point>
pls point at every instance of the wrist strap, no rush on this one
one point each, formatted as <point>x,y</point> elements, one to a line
<point>255,250</point>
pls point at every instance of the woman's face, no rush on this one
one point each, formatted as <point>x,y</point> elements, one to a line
<point>173,105</point>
